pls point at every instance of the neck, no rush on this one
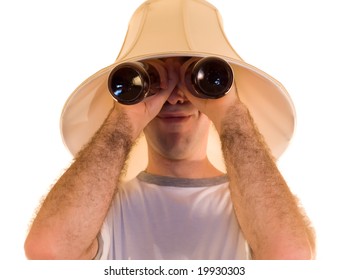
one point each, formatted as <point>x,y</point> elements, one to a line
<point>181,168</point>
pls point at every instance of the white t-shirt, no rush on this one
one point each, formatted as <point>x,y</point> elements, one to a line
<point>156,217</point>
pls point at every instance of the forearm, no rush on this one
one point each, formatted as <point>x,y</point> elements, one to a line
<point>267,211</point>
<point>72,214</point>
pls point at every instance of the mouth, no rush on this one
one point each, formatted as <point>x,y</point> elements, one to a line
<point>174,117</point>
<point>176,113</point>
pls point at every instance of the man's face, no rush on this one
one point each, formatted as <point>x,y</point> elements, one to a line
<point>179,131</point>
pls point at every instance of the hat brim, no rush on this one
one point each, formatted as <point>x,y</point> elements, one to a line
<point>268,102</point>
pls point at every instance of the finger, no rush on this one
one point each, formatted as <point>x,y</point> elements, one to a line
<point>154,103</point>
<point>183,80</point>
<point>160,67</point>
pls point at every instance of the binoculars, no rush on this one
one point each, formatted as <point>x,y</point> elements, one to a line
<point>131,82</point>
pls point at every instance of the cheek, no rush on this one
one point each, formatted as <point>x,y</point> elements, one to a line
<point>150,129</point>
<point>203,120</point>
<point>204,129</point>
<point>154,133</point>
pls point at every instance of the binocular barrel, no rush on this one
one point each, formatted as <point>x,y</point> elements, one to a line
<point>131,82</point>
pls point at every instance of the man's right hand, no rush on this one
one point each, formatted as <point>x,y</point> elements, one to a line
<point>140,114</point>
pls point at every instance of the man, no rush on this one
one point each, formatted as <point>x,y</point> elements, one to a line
<point>181,206</point>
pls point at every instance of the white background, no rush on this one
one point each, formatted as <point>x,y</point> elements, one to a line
<point>48,48</point>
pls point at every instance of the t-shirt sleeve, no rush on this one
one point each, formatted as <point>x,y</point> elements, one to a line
<point>243,250</point>
<point>103,242</point>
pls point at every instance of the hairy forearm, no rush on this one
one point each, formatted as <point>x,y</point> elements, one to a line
<point>268,213</point>
<point>72,214</point>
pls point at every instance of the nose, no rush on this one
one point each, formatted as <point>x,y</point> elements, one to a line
<point>176,97</point>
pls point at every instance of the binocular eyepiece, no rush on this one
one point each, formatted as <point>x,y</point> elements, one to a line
<point>131,82</point>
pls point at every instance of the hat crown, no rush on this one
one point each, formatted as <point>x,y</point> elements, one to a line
<point>166,27</point>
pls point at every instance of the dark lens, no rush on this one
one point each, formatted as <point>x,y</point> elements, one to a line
<point>126,85</point>
<point>212,77</point>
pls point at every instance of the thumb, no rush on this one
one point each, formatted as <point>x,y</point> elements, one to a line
<point>155,102</point>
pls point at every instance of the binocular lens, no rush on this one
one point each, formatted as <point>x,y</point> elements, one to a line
<point>211,77</point>
<point>130,82</point>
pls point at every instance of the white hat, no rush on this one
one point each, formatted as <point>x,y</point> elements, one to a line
<point>167,28</point>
